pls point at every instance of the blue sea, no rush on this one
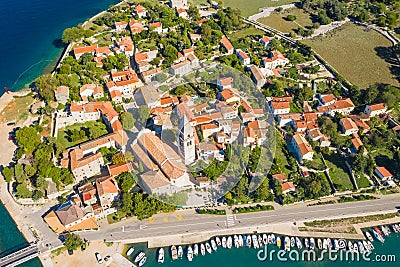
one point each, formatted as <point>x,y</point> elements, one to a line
<point>247,257</point>
<point>30,31</point>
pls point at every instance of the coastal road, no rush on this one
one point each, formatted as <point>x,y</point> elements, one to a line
<point>177,224</point>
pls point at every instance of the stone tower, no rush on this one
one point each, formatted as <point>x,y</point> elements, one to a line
<point>186,141</point>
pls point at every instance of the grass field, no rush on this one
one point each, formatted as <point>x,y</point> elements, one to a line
<point>362,181</point>
<point>338,172</point>
<point>357,54</point>
<point>17,109</point>
<point>278,20</point>
<point>250,31</point>
<point>251,7</point>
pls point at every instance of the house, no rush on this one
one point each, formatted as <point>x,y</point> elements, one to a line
<point>120,26</point>
<point>227,45</point>
<point>257,76</point>
<point>348,126</point>
<point>88,194</point>
<point>288,187</point>
<point>301,148</point>
<point>356,145</point>
<point>278,108</point>
<point>125,82</point>
<point>147,96</point>
<point>383,173</point>
<point>326,99</point>
<point>140,11</point>
<point>209,129</point>
<point>247,116</point>
<point>288,119</point>
<point>62,94</point>
<point>280,177</point>
<point>107,191</point>
<point>206,150</point>
<point>265,40</point>
<point>182,13</point>
<point>80,50</point>
<point>194,37</point>
<point>136,26</point>
<point>300,126</point>
<point>149,75</point>
<point>243,57</point>
<point>343,106</point>
<point>229,96</point>
<point>274,60</point>
<point>375,109</point>
<point>94,90</point>
<point>181,68</point>
<point>224,83</point>
<point>156,27</point>
<point>179,4</point>
<point>84,166</point>
<point>254,134</point>
<point>126,46</point>
<point>202,181</point>
<point>116,96</point>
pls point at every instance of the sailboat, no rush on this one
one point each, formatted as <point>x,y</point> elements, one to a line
<point>287,243</point>
<point>196,249</point>
<point>174,253</point>
<point>189,253</point>
<point>202,249</point>
<point>180,252</point>
<point>161,255</point>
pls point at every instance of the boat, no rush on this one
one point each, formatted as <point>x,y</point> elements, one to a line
<point>244,240</point>
<point>130,251</point>
<point>278,242</point>
<point>312,243</point>
<point>248,241</point>
<point>265,239</point>
<point>174,253</point>
<point>160,255</point>
<point>236,241</point>
<point>394,227</point>
<point>140,256</point>
<point>143,261</point>
<point>355,247</point>
<point>361,247</point>
<point>366,246</point>
<point>196,249</point>
<point>292,242</point>
<point>350,245</point>
<point>298,243</point>
<point>202,249</point>
<point>189,254</point>
<point>325,244</point>
<point>335,244</point>
<point>329,241</point>
<point>213,245</point>
<point>273,240</point>
<point>260,241</point>
<point>371,247</point>
<point>342,244</point>
<point>180,252</point>
<point>369,236</point>
<point>287,243</point>
<point>224,242</point>
<point>378,231</point>
<point>378,236</point>
<point>241,240</point>
<point>319,243</point>
<point>218,240</point>
<point>229,242</point>
<point>255,241</point>
<point>269,239</point>
<point>385,230</point>
<point>306,243</point>
<point>208,248</point>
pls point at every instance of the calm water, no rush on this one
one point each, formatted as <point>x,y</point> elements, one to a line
<point>247,257</point>
<point>29,32</point>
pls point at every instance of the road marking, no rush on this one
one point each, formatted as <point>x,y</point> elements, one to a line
<point>230,220</point>
<point>179,217</point>
<point>165,219</point>
<point>151,219</point>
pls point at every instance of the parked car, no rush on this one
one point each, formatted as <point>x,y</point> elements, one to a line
<point>98,258</point>
<point>70,252</point>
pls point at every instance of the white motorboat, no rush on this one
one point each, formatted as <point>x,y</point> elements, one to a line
<point>229,242</point>
<point>189,253</point>
<point>355,247</point>
<point>325,244</point>
<point>273,239</point>
<point>371,247</point>
<point>306,243</point>
<point>208,248</point>
<point>292,242</point>
<point>335,244</point>
<point>360,247</point>
<point>248,241</point>
<point>350,246</point>
<point>202,249</point>
<point>319,243</point>
<point>255,241</point>
<point>160,255</point>
<point>385,230</point>
<point>369,236</point>
<point>218,240</point>
<point>213,245</point>
<point>236,241</point>
<point>240,240</point>
<point>260,241</point>
<point>394,227</point>
<point>287,243</point>
<point>195,250</point>
<point>142,261</point>
<point>329,242</point>
<point>180,252</point>
<point>140,256</point>
<point>366,246</point>
<point>224,242</point>
<point>298,243</point>
<point>378,236</point>
<point>174,253</point>
<point>130,251</point>
<point>312,243</point>
<point>265,239</point>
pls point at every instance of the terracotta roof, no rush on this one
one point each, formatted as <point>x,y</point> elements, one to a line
<point>302,143</point>
<point>342,104</point>
<point>106,185</point>
<point>328,98</point>
<point>280,176</point>
<point>384,172</point>
<point>282,99</point>
<point>154,179</point>
<point>62,90</point>
<point>188,51</point>
<point>226,81</point>
<point>117,169</point>
<point>226,43</point>
<point>103,50</point>
<point>242,54</point>
<point>115,94</point>
<point>348,124</point>
<point>375,107</point>
<point>121,23</point>
<point>156,24</point>
<point>275,56</point>
<point>202,21</point>
<point>140,8</point>
<point>141,56</point>
<point>85,49</point>
<point>151,72</point>
<point>228,94</point>
<point>265,39</point>
<point>69,213</point>
<point>280,105</point>
<point>85,87</point>
<point>287,186</point>
<point>169,100</point>
<point>208,126</point>
<point>181,10</point>
<point>180,64</point>
<point>357,143</point>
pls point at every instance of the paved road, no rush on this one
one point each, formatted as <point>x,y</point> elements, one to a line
<point>197,224</point>
<point>20,256</point>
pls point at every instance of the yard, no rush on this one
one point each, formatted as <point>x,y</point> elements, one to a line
<point>338,172</point>
<point>247,32</point>
<point>64,136</point>
<point>278,20</point>
<point>252,7</point>
<point>362,181</point>
<point>358,54</point>
<point>385,157</point>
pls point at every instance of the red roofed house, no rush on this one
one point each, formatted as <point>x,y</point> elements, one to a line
<point>375,109</point>
<point>229,96</point>
<point>243,57</point>
<point>302,148</point>
<point>135,26</point>
<point>288,187</point>
<point>265,40</point>
<point>278,108</point>
<point>182,13</point>
<point>107,191</point>
<point>227,45</point>
<point>326,99</point>
<point>274,60</point>
<point>383,173</point>
<point>348,126</point>
<point>80,50</point>
<point>120,26</point>
<point>116,96</point>
<point>156,27</point>
<point>343,106</point>
<point>141,11</point>
<point>224,83</point>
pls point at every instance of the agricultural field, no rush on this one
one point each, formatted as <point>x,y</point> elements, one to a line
<point>360,55</point>
<point>252,7</point>
<point>278,20</point>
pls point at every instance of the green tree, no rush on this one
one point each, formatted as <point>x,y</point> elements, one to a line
<point>118,158</point>
<point>125,180</point>
<point>27,138</point>
<point>8,173</point>
<point>128,121</point>
<point>291,17</point>
<point>73,241</point>
<point>23,191</point>
<point>37,194</point>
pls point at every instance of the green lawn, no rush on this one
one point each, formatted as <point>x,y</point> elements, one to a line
<point>249,31</point>
<point>362,181</point>
<point>251,7</point>
<point>357,54</point>
<point>278,20</point>
<point>62,136</point>
<point>338,172</point>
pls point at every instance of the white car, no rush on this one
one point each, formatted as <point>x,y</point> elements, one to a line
<point>98,258</point>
